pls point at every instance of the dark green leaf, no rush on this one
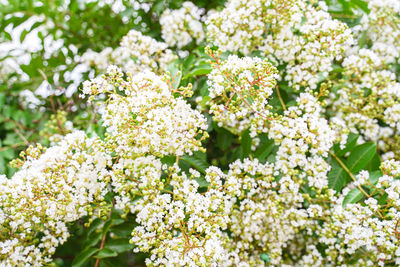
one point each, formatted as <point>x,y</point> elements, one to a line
<point>374,163</point>
<point>199,70</point>
<point>82,258</point>
<point>196,161</point>
<point>362,4</point>
<point>224,138</point>
<point>360,156</point>
<point>353,196</point>
<point>374,176</point>
<point>107,226</point>
<point>119,245</point>
<point>337,176</point>
<point>351,142</point>
<point>202,182</point>
<point>246,144</point>
<point>106,253</point>
<point>264,150</point>
<point>123,230</point>
<point>23,35</point>
<point>93,239</point>
<point>96,224</point>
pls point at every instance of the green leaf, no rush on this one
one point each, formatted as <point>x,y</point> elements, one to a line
<point>204,101</point>
<point>96,224</point>
<point>189,61</point>
<point>383,199</point>
<point>7,154</point>
<point>202,182</point>
<point>374,163</point>
<point>352,197</point>
<point>105,253</point>
<point>265,257</point>
<point>123,230</point>
<point>23,35</point>
<point>106,227</point>
<point>197,161</point>
<point>3,165</point>
<point>363,39</point>
<point>361,4</point>
<point>264,150</point>
<point>351,142</point>
<point>175,70</point>
<point>119,245</point>
<point>224,138</point>
<point>199,70</point>
<point>117,221</point>
<point>246,144</point>
<point>337,176</point>
<point>374,176</point>
<point>361,156</point>
<point>108,263</point>
<point>93,239</point>
<point>7,36</point>
<point>82,258</point>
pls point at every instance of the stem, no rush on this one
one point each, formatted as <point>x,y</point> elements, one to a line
<point>103,241</point>
<point>280,98</point>
<point>348,172</point>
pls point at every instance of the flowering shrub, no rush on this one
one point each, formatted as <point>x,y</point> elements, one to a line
<point>244,133</point>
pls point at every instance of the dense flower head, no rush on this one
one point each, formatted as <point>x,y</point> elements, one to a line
<point>304,139</point>
<point>180,27</point>
<point>136,177</point>
<point>369,227</point>
<point>51,189</point>
<point>181,226</point>
<point>147,118</point>
<point>367,100</point>
<point>294,33</point>
<point>263,217</point>
<point>137,52</point>
<point>306,171</point>
<point>6,69</point>
<point>381,27</point>
<point>239,91</point>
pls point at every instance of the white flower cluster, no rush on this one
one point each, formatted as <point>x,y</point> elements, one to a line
<point>177,224</point>
<point>304,139</point>
<point>180,226</point>
<point>134,177</point>
<point>280,212</point>
<point>370,228</point>
<point>136,53</point>
<point>49,191</point>
<point>265,216</point>
<point>269,207</point>
<point>368,99</point>
<point>295,33</point>
<point>147,119</point>
<point>180,27</point>
<point>381,27</point>
<point>6,69</point>
<point>239,91</point>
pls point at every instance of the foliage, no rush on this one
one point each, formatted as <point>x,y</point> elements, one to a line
<point>211,133</point>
